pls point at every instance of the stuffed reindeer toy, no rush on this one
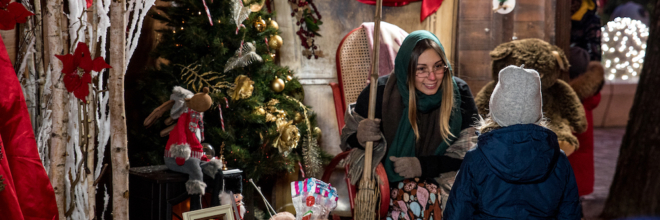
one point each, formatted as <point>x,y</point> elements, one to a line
<point>183,152</point>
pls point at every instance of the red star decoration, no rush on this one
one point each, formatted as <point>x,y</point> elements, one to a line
<point>76,70</point>
<point>12,13</point>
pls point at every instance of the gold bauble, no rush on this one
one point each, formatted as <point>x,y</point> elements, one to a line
<point>260,24</point>
<point>318,131</point>
<point>275,42</point>
<point>289,78</point>
<point>298,118</point>
<point>255,7</point>
<point>277,85</point>
<point>273,24</point>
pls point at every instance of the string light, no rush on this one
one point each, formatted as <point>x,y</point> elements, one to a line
<point>624,47</point>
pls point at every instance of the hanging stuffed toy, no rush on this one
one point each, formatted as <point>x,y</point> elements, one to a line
<point>184,152</point>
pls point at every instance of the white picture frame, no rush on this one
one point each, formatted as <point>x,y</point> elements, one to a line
<point>224,212</point>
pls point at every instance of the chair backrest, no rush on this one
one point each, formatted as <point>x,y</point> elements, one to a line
<point>353,65</point>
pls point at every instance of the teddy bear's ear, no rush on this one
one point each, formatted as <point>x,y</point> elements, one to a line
<point>559,55</point>
<point>502,51</point>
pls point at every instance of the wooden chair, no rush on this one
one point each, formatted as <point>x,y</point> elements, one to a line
<point>353,66</point>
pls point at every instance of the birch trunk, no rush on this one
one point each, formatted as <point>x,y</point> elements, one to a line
<point>118,140</point>
<point>57,140</point>
<point>39,43</point>
<point>91,150</point>
<point>91,124</point>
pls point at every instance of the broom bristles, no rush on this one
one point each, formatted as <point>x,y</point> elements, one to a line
<point>366,199</point>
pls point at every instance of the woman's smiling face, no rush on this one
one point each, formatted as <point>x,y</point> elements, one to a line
<point>429,72</point>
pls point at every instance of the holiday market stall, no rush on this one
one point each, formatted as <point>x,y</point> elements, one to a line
<point>223,107</point>
<point>72,57</point>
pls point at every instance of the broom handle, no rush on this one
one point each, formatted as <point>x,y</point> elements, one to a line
<point>368,150</point>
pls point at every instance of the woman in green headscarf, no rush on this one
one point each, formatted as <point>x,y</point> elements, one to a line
<point>422,127</point>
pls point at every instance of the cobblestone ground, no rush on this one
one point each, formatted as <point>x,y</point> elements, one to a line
<point>607,142</point>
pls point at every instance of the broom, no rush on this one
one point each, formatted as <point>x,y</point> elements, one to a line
<point>365,203</point>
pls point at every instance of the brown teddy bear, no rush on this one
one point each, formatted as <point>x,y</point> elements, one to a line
<point>561,105</point>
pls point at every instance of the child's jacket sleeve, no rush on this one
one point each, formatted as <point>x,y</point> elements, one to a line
<point>570,207</point>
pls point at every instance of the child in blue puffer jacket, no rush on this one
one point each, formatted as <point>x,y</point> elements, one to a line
<point>517,171</point>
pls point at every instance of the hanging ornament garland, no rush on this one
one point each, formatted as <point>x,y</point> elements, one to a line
<point>309,20</point>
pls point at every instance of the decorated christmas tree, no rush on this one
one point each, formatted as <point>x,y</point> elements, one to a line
<point>257,121</point>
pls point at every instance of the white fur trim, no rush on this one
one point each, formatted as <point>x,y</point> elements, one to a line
<point>181,92</point>
<point>179,95</point>
<point>212,167</point>
<point>195,187</point>
<point>180,150</point>
<point>225,198</point>
<point>242,210</point>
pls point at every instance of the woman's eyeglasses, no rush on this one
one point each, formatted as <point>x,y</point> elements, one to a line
<point>423,72</point>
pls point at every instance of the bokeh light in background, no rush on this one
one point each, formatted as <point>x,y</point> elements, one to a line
<point>624,46</point>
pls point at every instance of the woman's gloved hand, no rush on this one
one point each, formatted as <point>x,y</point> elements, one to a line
<point>368,130</point>
<point>407,167</point>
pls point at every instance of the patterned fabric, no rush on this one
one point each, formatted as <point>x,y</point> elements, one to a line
<point>196,122</point>
<point>415,199</point>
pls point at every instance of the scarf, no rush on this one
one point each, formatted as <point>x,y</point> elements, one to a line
<point>404,140</point>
